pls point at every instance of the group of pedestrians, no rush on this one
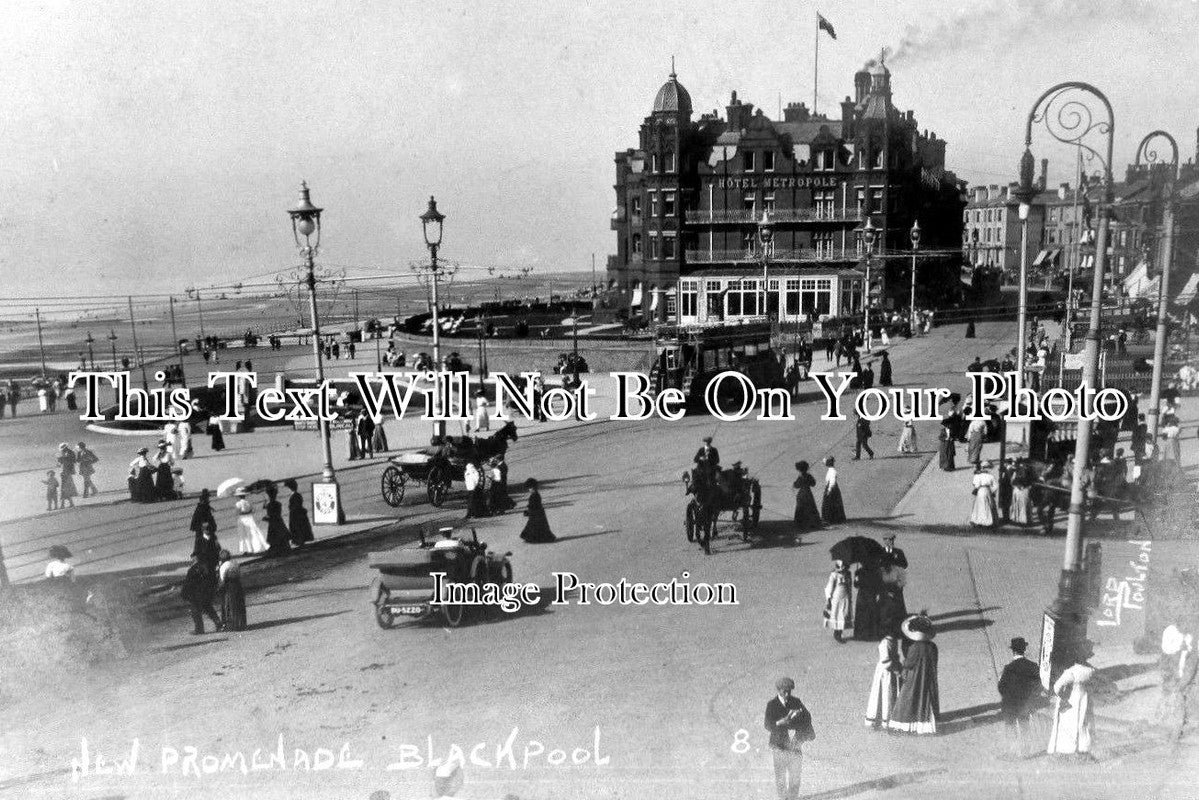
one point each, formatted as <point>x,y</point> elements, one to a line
<point>878,607</point>
<point>365,436</point>
<point>279,536</point>
<point>831,511</point>
<point>155,477</point>
<point>60,484</point>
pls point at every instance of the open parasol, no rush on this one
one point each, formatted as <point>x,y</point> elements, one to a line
<point>859,549</point>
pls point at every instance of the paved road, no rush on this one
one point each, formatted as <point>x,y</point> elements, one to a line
<point>670,689</point>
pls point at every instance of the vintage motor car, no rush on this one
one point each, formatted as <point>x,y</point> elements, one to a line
<point>406,587</point>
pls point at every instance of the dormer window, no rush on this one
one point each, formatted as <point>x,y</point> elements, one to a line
<point>747,161</point>
<point>655,163</point>
<point>671,164</point>
<point>768,161</point>
<point>824,160</point>
<point>878,158</point>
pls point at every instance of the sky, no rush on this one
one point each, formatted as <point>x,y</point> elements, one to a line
<point>149,147</point>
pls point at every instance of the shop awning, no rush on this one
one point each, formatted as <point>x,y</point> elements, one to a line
<point>1040,259</point>
<point>636,301</point>
<point>1188,291</point>
<point>653,304</point>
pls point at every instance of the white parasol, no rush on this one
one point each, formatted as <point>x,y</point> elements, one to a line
<point>227,486</point>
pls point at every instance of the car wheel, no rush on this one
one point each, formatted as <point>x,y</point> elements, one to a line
<point>383,615</point>
<point>453,614</point>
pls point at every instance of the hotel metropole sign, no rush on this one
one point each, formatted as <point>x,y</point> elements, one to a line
<point>779,182</point>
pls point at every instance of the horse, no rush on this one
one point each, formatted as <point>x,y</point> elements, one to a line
<point>464,447</point>
<point>714,492</point>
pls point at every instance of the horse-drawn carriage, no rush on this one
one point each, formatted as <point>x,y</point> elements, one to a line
<point>405,586</point>
<point>712,491</point>
<point>438,466</point>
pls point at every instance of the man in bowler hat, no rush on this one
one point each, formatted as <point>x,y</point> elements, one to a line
<point>707,457</point>
<point>787,721</point>
<point>1019,690</point>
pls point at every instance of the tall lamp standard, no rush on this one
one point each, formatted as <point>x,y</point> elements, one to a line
<point>305,223</point>
<point>765,237</point>
<point>432,221</point>
<point>869,235</point>
<point>91,356</point>
<point>1149,154</point>
<point>915,234</point>
<point>1068,113</point>
<point>112,341</point>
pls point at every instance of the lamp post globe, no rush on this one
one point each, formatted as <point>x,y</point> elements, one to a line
<point>431,222</point>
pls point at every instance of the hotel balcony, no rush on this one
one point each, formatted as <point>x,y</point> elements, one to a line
<point>779,256</point>
<point>782,215</point>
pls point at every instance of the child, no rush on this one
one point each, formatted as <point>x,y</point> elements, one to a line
<point>51,483</point>
<point>177,482</point>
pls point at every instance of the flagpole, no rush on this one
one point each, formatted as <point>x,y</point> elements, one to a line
<point>816,69</point>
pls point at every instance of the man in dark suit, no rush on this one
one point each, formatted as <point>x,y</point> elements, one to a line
<point>786,720</point>
<point>863,433</point>
<point>893,608</point>
<point>1019,689</point>
<point>708,457</point>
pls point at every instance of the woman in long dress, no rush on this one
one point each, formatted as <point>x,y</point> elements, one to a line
<point>297,515</point>
<point>919,701</point>
<point>537,529</point>
<point>1020,508</point>
<point>251,539</point>
<point>66,480</point>
<point>143,477</point>
<point>807,516</point>
<point>379,437</point>
<point>278,537</point>
<point>832,509</point>
<point>185,440</point>
<point>945,446</point>
<point>203,525</point>
<point>232,594</point>
<point>867,612</point>
<point>837,596</point>
<point>215,436</point>
<point>884,688</point>
<point>1073,719</point>
<point>984,513</point>
<point>907,439</point>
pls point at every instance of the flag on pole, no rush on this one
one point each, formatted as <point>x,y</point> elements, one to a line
<point>825,25</point>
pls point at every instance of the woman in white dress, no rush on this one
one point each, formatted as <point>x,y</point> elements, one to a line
<point>1073,720</point>
<point>885,685</point>
<point>251,538</point>
<point>907,439</point>
<point>985,513</point>
<point>1020,508</point>
<point>185,440</point>
<point>837,595</point>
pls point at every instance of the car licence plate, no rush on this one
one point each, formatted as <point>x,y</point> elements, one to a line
<point>411,611</point>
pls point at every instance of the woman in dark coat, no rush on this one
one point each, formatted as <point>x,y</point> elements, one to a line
<point>807,515</point>
<point>866,612</point>
<point>216,438</point>
<point>919,702</point>
<point>884,371</point>
<point>143,491</point>
<point>970,330</point>
<point>164,483</point>
<point>537,529</point>
<point>278,538</point>
<point>297,515</point>
<point>945,445</point>
<point>204,527</point>
<point>232,594</point>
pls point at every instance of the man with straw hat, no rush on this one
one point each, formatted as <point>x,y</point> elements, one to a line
<point>789,725</point>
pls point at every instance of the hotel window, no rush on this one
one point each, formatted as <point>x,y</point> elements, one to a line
<point>653,246</point>
<point>768,161</point>
<point>825,160</point>
<point>670,306</point>
<point>750,203</point>
<point>861,201</point>
<point>637,244</point>
<point>689,299</point>
<point>671,164</point>
<point>876,199</point>
<point>733,299</point>
<point>792,297</point>
<point>815,295</point>
<point>668,247</point>
<point>851,296</point>
<point>826,204</point>
<point>655,163</point>
<point>747,161</point>
<point>636,208</point>
<point>749,297</point>
<point>878,158</point>
<point>715,300</point>
<point>668,203</point>
<point>653,204</point>
<point>768,203</point>
<point>862,158</point>
<point>824,243</point>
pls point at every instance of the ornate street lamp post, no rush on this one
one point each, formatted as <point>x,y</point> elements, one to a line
<point>1068,112</point>
<point>305,224</point>
<point>432,221</point>
<point>915,234</point>
<point>91,356</point>
<point>869,234</point>
<point>112,341</point>
<point>1149,154</point>
<point>765,237</point>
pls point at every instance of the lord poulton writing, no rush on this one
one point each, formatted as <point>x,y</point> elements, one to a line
<point>450,396</point>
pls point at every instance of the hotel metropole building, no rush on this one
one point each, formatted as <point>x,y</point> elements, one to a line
<point>691,197</point>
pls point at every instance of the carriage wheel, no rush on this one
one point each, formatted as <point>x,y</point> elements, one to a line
<point>392,485</point>
<point>689,522</point>
<point>383,615</point>
<point>453,614</point>
<point>437,492</point>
